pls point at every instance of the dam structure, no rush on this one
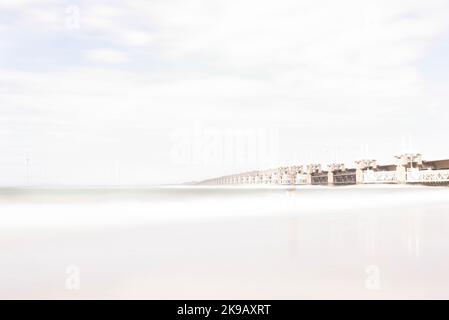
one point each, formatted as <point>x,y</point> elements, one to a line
<point>408,168</point>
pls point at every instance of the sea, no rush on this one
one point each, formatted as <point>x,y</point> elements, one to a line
<point>230,242</point>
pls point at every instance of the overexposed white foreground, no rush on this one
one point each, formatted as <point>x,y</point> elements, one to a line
<point>207,243</point>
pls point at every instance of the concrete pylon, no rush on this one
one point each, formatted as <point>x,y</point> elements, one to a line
<point>330,177</point>
<point>363,165</point>
<point>406,161</point>
<point>401,174</point>
<point>332,168</point>
<point>311,169</point>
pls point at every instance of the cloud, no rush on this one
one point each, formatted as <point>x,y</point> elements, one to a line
<point>106,56</point>
<point>115,22</point>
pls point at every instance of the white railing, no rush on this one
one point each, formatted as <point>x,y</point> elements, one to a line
<point>301,179</point>
<point>286,179</point>
<point>371,176</point>
<point>413,175</point>
<point>428,176</point>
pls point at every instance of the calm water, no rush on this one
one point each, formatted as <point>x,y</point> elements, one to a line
<point>194,242</point>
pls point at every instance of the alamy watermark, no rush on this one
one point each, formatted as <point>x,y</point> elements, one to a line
<point>73,17</point>
<point>73,278</point>
<point>373,277</point>
<point>230,147</point>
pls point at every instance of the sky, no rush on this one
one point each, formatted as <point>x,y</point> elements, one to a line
<point>135,92</point>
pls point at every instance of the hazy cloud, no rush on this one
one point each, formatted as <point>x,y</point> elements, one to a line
<point>106,55</point>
